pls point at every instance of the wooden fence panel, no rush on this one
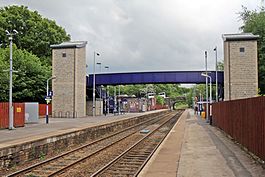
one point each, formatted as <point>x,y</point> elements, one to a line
<point>42,109</point>
<point>19,115</point>
<point>4,112</point>
<point>244,120</point>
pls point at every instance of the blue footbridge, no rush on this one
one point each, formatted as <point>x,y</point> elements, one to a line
<point>158,77</point>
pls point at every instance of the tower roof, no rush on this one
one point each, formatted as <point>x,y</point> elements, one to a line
<point>69,44</point>
<point>240,37</point>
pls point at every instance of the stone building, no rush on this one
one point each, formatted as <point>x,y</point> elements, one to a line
<point>69,87</point>
<point>240,66</point>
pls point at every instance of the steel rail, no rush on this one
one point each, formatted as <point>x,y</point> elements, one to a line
<point>97,151</point>
<point>107,166</point>
<point>148,158</point>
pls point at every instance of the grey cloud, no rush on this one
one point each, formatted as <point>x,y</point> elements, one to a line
<point>145,34</point>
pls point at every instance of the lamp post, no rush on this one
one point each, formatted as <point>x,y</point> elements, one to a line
<point>115,100</point>
<point>206,86</point>
<point>216,77</point>
<point>119,103</point>
<point>11,117</point>
<point>94,83</point>
<point>107,108</point>
<point>207,76</point>
<point>98,63</point>
<point>47,99</point>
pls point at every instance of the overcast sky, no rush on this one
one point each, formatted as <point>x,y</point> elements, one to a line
<point>145,35</point>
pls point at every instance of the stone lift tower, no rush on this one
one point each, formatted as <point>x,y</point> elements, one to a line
<point>240,66</point>
<point>69,87</point>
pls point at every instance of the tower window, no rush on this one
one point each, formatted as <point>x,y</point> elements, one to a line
<point>241,49</point>
<point>63,54</point>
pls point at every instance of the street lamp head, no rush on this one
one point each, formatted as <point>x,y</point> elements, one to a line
<point>53,77</point>
<point>107,67</point>
<point>98,54</point>
<point>203,74</point>
<point>7,32</point>
<point>98,63</point>
<point>15,31</point>
<point>215,49</point>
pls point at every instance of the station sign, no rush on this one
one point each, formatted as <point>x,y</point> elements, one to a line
<point>48,99</point>
<point>50,94</point>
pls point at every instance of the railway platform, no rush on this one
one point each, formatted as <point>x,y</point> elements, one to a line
<point>58,126</point>
<point>194,148</point>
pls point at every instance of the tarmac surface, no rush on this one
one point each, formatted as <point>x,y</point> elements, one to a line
<point>57,126</point>
<point>194,148</point>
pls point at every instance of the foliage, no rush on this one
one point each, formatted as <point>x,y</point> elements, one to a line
<point>160,100</point>
<point>220,65</point>
<point>29,83</point>
<point>35,33</point>
<point>180,106</point>
<point>199,90</point>
<point>172,90</point>
<point>254,22</point>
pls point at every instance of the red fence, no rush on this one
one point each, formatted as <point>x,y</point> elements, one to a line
<point>244,120</point>
<point>42,109</point>
<point>19,115</point>
<point>158,106</point>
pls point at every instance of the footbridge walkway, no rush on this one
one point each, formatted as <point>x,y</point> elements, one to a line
<point>158,77</point>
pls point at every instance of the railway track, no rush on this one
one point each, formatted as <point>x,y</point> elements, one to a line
<point>61,163</point>
<point>131,161</point>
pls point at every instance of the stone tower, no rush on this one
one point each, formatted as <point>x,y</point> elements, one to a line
<point>69,87</point>
<point>240,66</point>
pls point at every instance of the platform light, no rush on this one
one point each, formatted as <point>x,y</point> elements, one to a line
<point>11,116</point>
<point>94,82</point>
<point>216,77</point>
<point>207,76</point>
<point>47,98</point>
<point>107,94</point>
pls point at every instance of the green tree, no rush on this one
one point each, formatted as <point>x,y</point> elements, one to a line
<point>35,33</point>
<point>254,22</point>
<point>172,90</point>
<point>160,100</point>
<point>220,65</point>
<point>29,83</point>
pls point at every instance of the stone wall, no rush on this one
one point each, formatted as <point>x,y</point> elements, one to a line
<point>80,85</point>
<point>63,85</point>
<point>240,69</point>
<point>98,104</point>
<point>69,87</point>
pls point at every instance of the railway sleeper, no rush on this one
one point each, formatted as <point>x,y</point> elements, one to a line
<point>59,165</point>
<point>133,160</point>
<point>130,165</point>
<point>116,174</point>
<point>38,173</point>
<point>119,174</point>
<point>128,168</point>
<point>137,159</point>
<point>136,155</point>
